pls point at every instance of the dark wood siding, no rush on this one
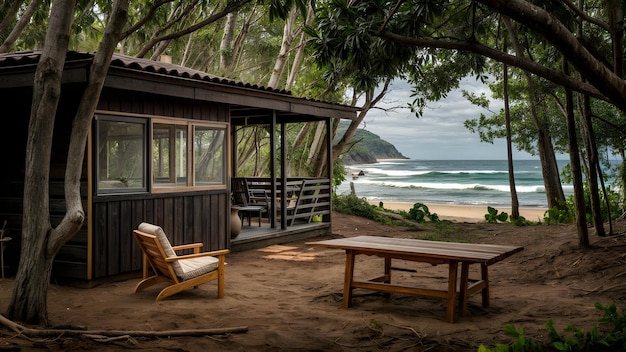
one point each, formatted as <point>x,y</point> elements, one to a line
<point>185,218</point>
<point>161,105</point>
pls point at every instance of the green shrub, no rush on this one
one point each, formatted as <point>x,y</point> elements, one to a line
<point>353,205</point>
<point>609,336</point>
<point>616,205</point>
<point>521,343</point>
<point>555,215</point>
<point>493,217</point>
<point>420,213</point>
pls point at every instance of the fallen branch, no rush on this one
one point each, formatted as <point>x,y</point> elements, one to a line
<point>29,332</point>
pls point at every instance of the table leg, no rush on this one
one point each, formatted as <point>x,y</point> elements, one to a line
<point>348,279</point>
<point>463,297</point>
<point>452,275</point>
<point>387,271</point>
<point>387,277</point>
<point>485,277</point>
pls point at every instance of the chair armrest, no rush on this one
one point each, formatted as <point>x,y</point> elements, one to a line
<point>187,246</point>
<point>195,246</point>
<point>217,253</point>
<point>258,196</point>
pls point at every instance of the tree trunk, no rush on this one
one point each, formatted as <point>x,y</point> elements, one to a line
<point>226,45</point>
<point>40,242</point>
<point>9,16</point>
<point>28,302</point>
<point>549,165</point>
<point>285,47</point>
<point>549,168</point>
<point>577,176</point>
<point>509,145</point>
<point>24,20</point>
<point>299,56</point>
<point>592,155</point>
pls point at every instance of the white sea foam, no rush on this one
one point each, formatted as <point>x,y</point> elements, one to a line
<point>450,186</point>
<point>449,181</point>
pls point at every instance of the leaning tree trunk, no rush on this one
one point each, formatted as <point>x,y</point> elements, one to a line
<point>226,45</point>
<point>285,47</point>
<point>370,101</point>
<point>41,242</point>
<point>28,303</point>
<point>299,55</point>
<point>24,20</point>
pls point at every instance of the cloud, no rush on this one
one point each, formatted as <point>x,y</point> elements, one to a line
<point>439,134</point>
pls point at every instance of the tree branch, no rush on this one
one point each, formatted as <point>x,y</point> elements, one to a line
<point>522,63</point>
<point>612,86</point>
<point>32,333</point>
<point>190,29</point>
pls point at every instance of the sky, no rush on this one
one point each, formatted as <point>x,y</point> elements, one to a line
<point>439,134</point>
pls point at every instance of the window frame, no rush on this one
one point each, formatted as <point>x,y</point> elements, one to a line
<point>113,117</point>
<point>190,167</point>
<point>149,186</point>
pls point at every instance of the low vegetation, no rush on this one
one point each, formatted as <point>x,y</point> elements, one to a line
<point>353,205</point>
<point>608,335</point>
<point>556,215</point>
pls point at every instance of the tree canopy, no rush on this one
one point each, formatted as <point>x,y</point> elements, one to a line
<point>387,38</point>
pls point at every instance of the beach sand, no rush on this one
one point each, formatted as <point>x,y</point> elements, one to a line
<point>288,297</point>
<point>465,213</point>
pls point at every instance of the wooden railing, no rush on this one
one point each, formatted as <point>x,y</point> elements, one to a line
<point>307,199</point>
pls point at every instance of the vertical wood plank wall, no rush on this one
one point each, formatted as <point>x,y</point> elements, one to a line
<point>185,217</point>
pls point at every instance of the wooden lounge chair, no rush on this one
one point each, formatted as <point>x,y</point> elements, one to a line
<point>180,271</point>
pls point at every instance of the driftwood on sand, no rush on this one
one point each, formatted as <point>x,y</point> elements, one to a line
<point>112,334</point>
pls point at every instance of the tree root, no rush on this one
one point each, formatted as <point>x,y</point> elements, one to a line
<point>112,335</point>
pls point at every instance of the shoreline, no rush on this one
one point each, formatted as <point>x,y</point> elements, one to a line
<point>465,213</point>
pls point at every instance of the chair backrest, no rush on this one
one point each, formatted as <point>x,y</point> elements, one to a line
<point>157,249</point>
<point>240,191</point>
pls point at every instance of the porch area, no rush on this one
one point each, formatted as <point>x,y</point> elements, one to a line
<point>269,218</point>
<point>254,236</point>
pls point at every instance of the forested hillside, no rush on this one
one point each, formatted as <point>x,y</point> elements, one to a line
<point>368,147</point>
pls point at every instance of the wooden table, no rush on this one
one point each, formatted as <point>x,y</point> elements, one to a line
<point>432,252</point>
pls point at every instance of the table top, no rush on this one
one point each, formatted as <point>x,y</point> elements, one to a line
<point>463,252</point>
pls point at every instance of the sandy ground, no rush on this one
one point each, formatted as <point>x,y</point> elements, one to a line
<point>288,297</point>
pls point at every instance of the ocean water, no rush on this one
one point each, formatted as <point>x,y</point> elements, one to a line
<point>455,182</point>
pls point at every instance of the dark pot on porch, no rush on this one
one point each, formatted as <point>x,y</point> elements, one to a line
<point>235,222</point>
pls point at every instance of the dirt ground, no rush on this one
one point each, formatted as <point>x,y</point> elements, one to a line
<point>288,297</point>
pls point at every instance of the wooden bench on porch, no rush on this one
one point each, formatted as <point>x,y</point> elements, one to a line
<point>305,199</point>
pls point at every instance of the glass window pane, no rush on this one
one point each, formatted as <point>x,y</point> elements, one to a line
<point>209,155</point>
<point>121,155</point>
<point>169,144</point>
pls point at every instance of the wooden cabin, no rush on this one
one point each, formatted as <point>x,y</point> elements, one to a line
<point>160,150</point>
